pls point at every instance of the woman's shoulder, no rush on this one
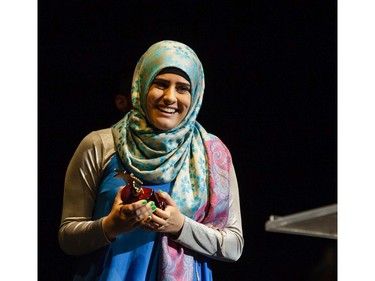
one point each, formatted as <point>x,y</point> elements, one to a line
<point>100,139</point>
<point>214,138</point>
<point>207,136</point>
<point>215,144</point>
<point>102,135</point>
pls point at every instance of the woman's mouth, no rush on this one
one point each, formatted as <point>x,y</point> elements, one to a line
<point>167,109</point>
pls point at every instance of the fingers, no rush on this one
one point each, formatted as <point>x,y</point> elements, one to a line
<point>149,224</point>
<point>141,213</point>
<point>168,199</point>
<point>118,199</point>
<point>146,220</point>
<point>139,210</point>
<point>169,220</point>
<point>132,207</point>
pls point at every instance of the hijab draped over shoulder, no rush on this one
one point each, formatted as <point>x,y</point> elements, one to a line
<point>195,162</point>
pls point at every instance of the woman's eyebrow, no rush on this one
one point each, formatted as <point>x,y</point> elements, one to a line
<point>160,80</point>
<point>167,81</point>
<point>183,83</point>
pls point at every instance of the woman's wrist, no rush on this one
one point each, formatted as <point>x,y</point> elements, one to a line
<point>106,226</point>
<point>179,228</point>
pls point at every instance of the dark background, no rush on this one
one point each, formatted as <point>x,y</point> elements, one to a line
<point>271,96</point>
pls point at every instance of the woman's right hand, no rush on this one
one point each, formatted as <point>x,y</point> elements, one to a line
<point>126,217</point>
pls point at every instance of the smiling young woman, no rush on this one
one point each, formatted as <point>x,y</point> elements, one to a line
<point>160,142</point>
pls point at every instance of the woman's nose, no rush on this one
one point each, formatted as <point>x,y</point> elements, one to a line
<point>169,95</point>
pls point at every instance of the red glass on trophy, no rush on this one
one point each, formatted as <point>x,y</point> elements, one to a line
<point>134,191</point>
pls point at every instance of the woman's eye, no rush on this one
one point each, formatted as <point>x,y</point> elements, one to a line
<point>160,85</point>
<point>183,89</point>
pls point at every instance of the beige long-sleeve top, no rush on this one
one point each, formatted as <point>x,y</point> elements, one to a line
<point>79,234</point>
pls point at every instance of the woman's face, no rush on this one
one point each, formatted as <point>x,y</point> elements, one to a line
<point>168,101</point>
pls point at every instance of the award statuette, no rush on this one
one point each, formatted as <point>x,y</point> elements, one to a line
<point>134,191</point>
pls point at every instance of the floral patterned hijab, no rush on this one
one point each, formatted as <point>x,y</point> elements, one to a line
<point>176,155</point>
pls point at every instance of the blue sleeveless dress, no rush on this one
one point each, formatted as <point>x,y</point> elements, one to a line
<point>133,255</point>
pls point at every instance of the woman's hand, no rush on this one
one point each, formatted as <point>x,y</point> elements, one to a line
<point>126,217</point>
<point>170,220</point>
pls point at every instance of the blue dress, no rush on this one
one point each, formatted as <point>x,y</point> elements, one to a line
<point>133,255</point>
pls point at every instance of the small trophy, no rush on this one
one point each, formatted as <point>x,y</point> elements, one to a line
<point>134,191</point>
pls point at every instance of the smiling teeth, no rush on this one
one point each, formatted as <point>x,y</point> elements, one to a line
<point>168,110</point>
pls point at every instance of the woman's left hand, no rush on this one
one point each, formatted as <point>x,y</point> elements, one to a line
<point>170,220</point>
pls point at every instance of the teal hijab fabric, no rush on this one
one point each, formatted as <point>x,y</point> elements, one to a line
<point>177,155</point>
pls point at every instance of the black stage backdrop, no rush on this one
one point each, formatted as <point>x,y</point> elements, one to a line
<point>271,95</point>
